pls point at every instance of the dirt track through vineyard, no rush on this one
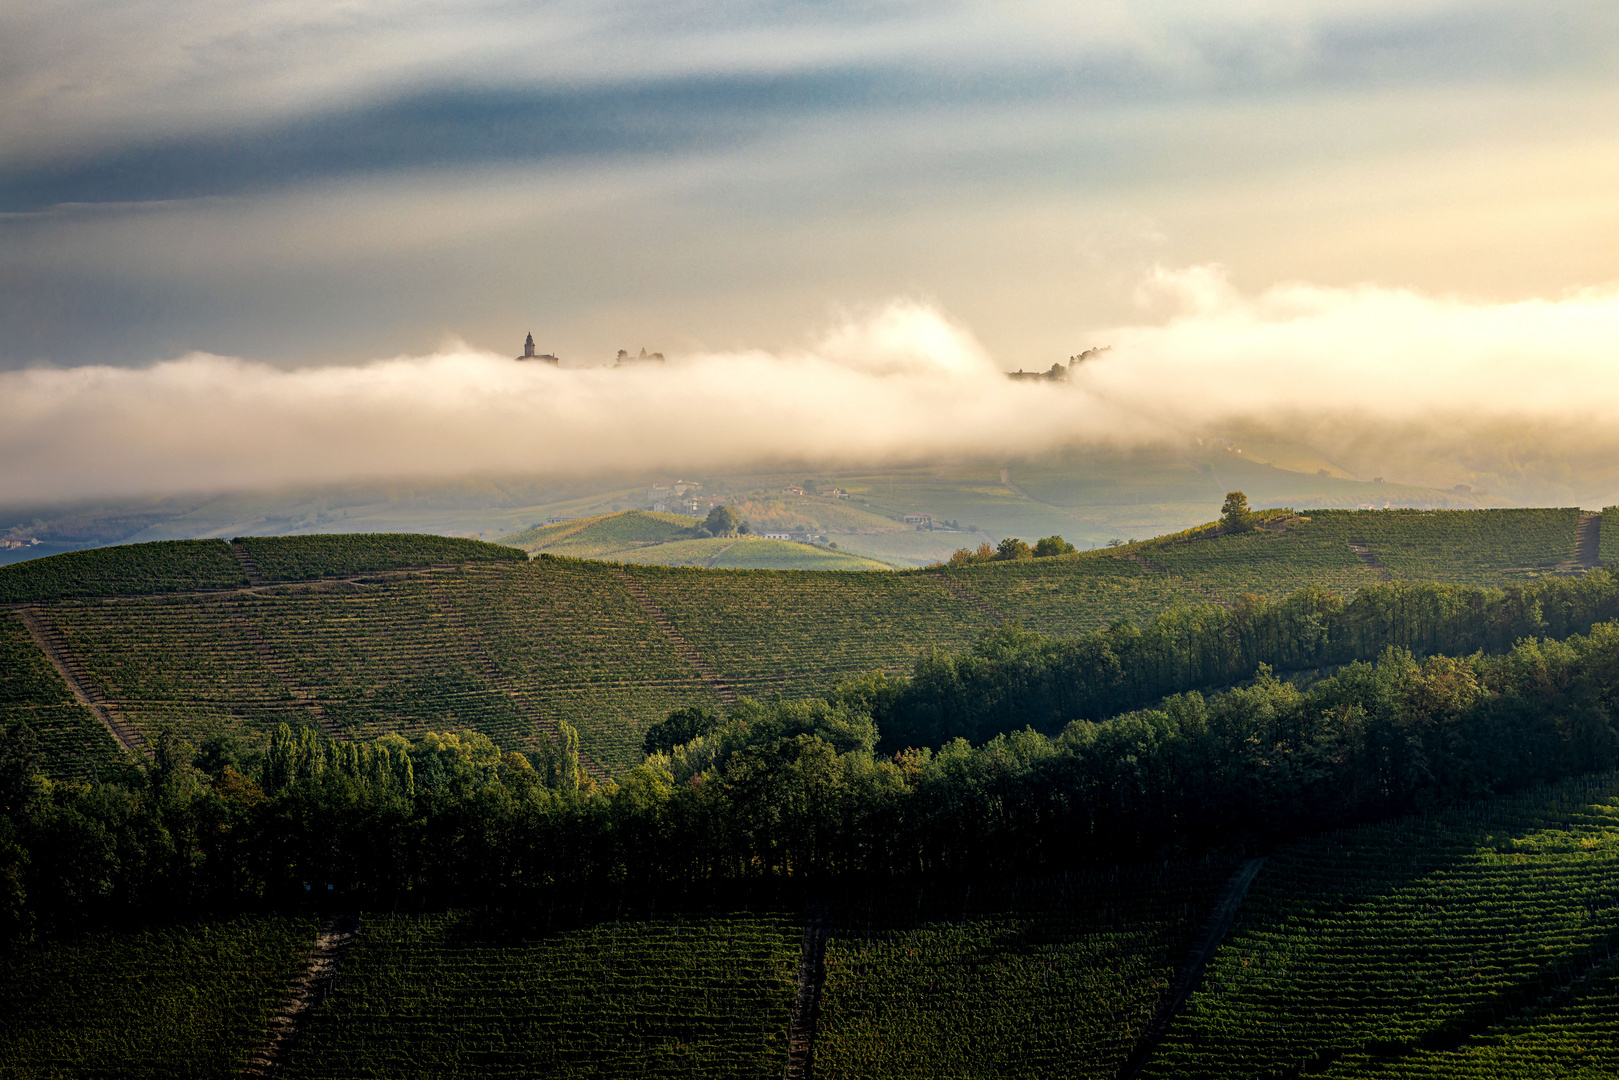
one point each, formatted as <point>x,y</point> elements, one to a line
<point>309,988</point>
<point>1364,554</point>
<point>807,1003</point>
<point>1191,972</point>
<point>73,672</point>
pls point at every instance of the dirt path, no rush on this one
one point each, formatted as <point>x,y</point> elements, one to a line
<point>83,688</point>
<point>965,594</point>
<point>249,567</point>
<point>308,989</point>
<point>473,646</point>
<point>1364,554</point>
<point>1588,542</point>
<point>682,646</point>
<point>1214,597</point>
<point>807,1003</point>
<point>715,560</point>
<point>1191,969</point>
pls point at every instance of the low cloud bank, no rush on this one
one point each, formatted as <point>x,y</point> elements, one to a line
<point>1369,370</point>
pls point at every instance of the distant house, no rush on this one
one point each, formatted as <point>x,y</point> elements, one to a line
<point>777,536</point>
<point>529,354</point>
<point>838,493</point>
<point>921,521</point>
<point>792,489</point>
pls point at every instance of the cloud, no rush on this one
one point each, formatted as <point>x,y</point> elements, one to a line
<point>898,382</point>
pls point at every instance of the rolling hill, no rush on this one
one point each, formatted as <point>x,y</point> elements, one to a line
<point>641,536</point>
<point>366,634</point>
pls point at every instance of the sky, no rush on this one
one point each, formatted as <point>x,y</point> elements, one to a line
<point>318,209</point>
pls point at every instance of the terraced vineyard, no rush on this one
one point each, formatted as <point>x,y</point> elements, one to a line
<point>1572,1033</point>
<point>71,739</point>
<point>1070,595</point>
<point>1006,979</point>
<point>1372,944</point>
<point>572,639</point>
<point>801,632</point>
<point>1608,544</point>
<point>689,996</point>
<point>191,1002</point>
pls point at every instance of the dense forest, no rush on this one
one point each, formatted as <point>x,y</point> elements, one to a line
<point>810,789</point>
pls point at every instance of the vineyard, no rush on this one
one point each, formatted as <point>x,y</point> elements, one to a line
<point>1375,943</point>
<point>126,570</point>
<point>1465,547</point>
<point>1005,979</point>
<point>1608,545</point>
<point>686,996</point>
<point>304,558</point>
<point>164,1004</point>
<point>73,742</point>
<point>801,632</point>
<point>480,637</point>
<point>1068,596</point>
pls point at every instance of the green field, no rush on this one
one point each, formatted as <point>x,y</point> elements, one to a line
<point>189,1002</point>
<point>674,996</point>
<point>1371,944</point>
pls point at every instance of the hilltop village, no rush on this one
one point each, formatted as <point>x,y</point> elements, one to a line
<point>622,360</point>
<point>1058,372</point>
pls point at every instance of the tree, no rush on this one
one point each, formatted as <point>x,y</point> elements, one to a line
<point>723,521</point>
<point>1053,545</point>
<point>1235,515</point>
<point>1011,549</point>
<point>681,727</point>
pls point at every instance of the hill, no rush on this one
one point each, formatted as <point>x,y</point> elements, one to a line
<point>361,635</point>
<point>640,536</point>
<point>1086,494</point>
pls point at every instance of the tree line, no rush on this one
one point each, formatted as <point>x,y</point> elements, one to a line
<point>805,790</point>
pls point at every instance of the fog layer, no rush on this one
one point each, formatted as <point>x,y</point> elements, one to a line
<point>1440,386</point>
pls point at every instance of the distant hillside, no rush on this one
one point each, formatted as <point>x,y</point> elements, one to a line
<point>373,633</point>
<point>640,536</point>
